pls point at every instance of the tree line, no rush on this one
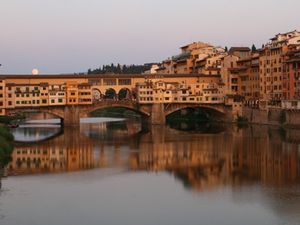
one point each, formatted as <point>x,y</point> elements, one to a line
<point>120,69</point>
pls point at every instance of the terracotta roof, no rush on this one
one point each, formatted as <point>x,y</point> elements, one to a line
<point>240,49</point>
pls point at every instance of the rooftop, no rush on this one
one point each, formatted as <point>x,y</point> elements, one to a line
<point>95,76</point>
<point>239,49</point>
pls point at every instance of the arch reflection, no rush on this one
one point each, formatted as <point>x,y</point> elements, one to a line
<point>201,161</point>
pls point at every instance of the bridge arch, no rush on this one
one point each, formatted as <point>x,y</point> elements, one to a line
<point>110,93</point>
<point>97,95</point>
<point>124,94</point>
<point>57,112</point>
<point>213,112</point>
<point>144,113</point>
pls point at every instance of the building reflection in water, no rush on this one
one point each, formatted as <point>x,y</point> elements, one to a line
<point>200,161</point>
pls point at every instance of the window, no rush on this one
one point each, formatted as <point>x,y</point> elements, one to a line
<point>124,81</point>
<point>109,81</point>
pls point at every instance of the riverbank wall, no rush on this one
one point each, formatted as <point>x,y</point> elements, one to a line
<point>272,116</point>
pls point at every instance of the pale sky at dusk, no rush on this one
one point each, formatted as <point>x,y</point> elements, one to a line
<point>61,36</point>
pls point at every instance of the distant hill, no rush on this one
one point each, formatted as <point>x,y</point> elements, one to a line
<point>121,69</point>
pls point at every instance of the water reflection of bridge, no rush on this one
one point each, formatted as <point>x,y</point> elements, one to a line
<point>199,161</point>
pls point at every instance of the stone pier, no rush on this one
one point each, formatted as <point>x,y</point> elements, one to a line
<point>158,114</point>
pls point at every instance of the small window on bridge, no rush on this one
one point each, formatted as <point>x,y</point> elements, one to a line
<point>124,81</point>
<point>109,82</point>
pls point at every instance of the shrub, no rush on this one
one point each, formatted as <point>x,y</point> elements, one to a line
<point>6,145</point>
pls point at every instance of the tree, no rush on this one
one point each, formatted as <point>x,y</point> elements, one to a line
<point>6,146</point>
<point>226,49</point>
<point>253,48</point>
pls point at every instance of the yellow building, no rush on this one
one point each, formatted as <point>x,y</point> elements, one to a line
<point>85,94</point>
<point>197,57</point>
<point>2,97</point>
<point>72,92</point>
<point>209,90</point>
<point>57,95</point>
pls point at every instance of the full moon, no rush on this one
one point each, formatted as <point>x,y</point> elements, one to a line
<point>35,72</point>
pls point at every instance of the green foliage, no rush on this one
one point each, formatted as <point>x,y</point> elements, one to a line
<point>253,48</point>
<point>121,69</point>
<point>6,119</point>
<point>6,145</point>
<point>11,119</point>
<point>226,49</point>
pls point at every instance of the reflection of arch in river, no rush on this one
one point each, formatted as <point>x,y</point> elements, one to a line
<point>164,149</point>
<point>39,137</point>
<point>110,131</point>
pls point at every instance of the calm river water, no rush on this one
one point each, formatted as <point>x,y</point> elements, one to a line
<point>118,173</point>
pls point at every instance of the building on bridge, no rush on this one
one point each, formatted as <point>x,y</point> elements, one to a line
<point>174,92</point>
<point>73,97</point>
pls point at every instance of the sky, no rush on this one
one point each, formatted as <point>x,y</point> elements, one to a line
<point>67,36</point>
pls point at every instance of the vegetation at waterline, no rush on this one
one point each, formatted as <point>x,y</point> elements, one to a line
<point>116,112</point>
<point>11,119</point>
<point>6,146</point>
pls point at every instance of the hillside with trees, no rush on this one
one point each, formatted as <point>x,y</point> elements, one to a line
<point>121,69</point>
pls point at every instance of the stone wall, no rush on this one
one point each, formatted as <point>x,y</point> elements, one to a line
<point>272,116</point>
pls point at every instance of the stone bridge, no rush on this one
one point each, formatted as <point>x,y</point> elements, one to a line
<point>152,113</point>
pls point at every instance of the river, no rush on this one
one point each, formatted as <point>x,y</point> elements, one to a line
<point>117,172</point>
